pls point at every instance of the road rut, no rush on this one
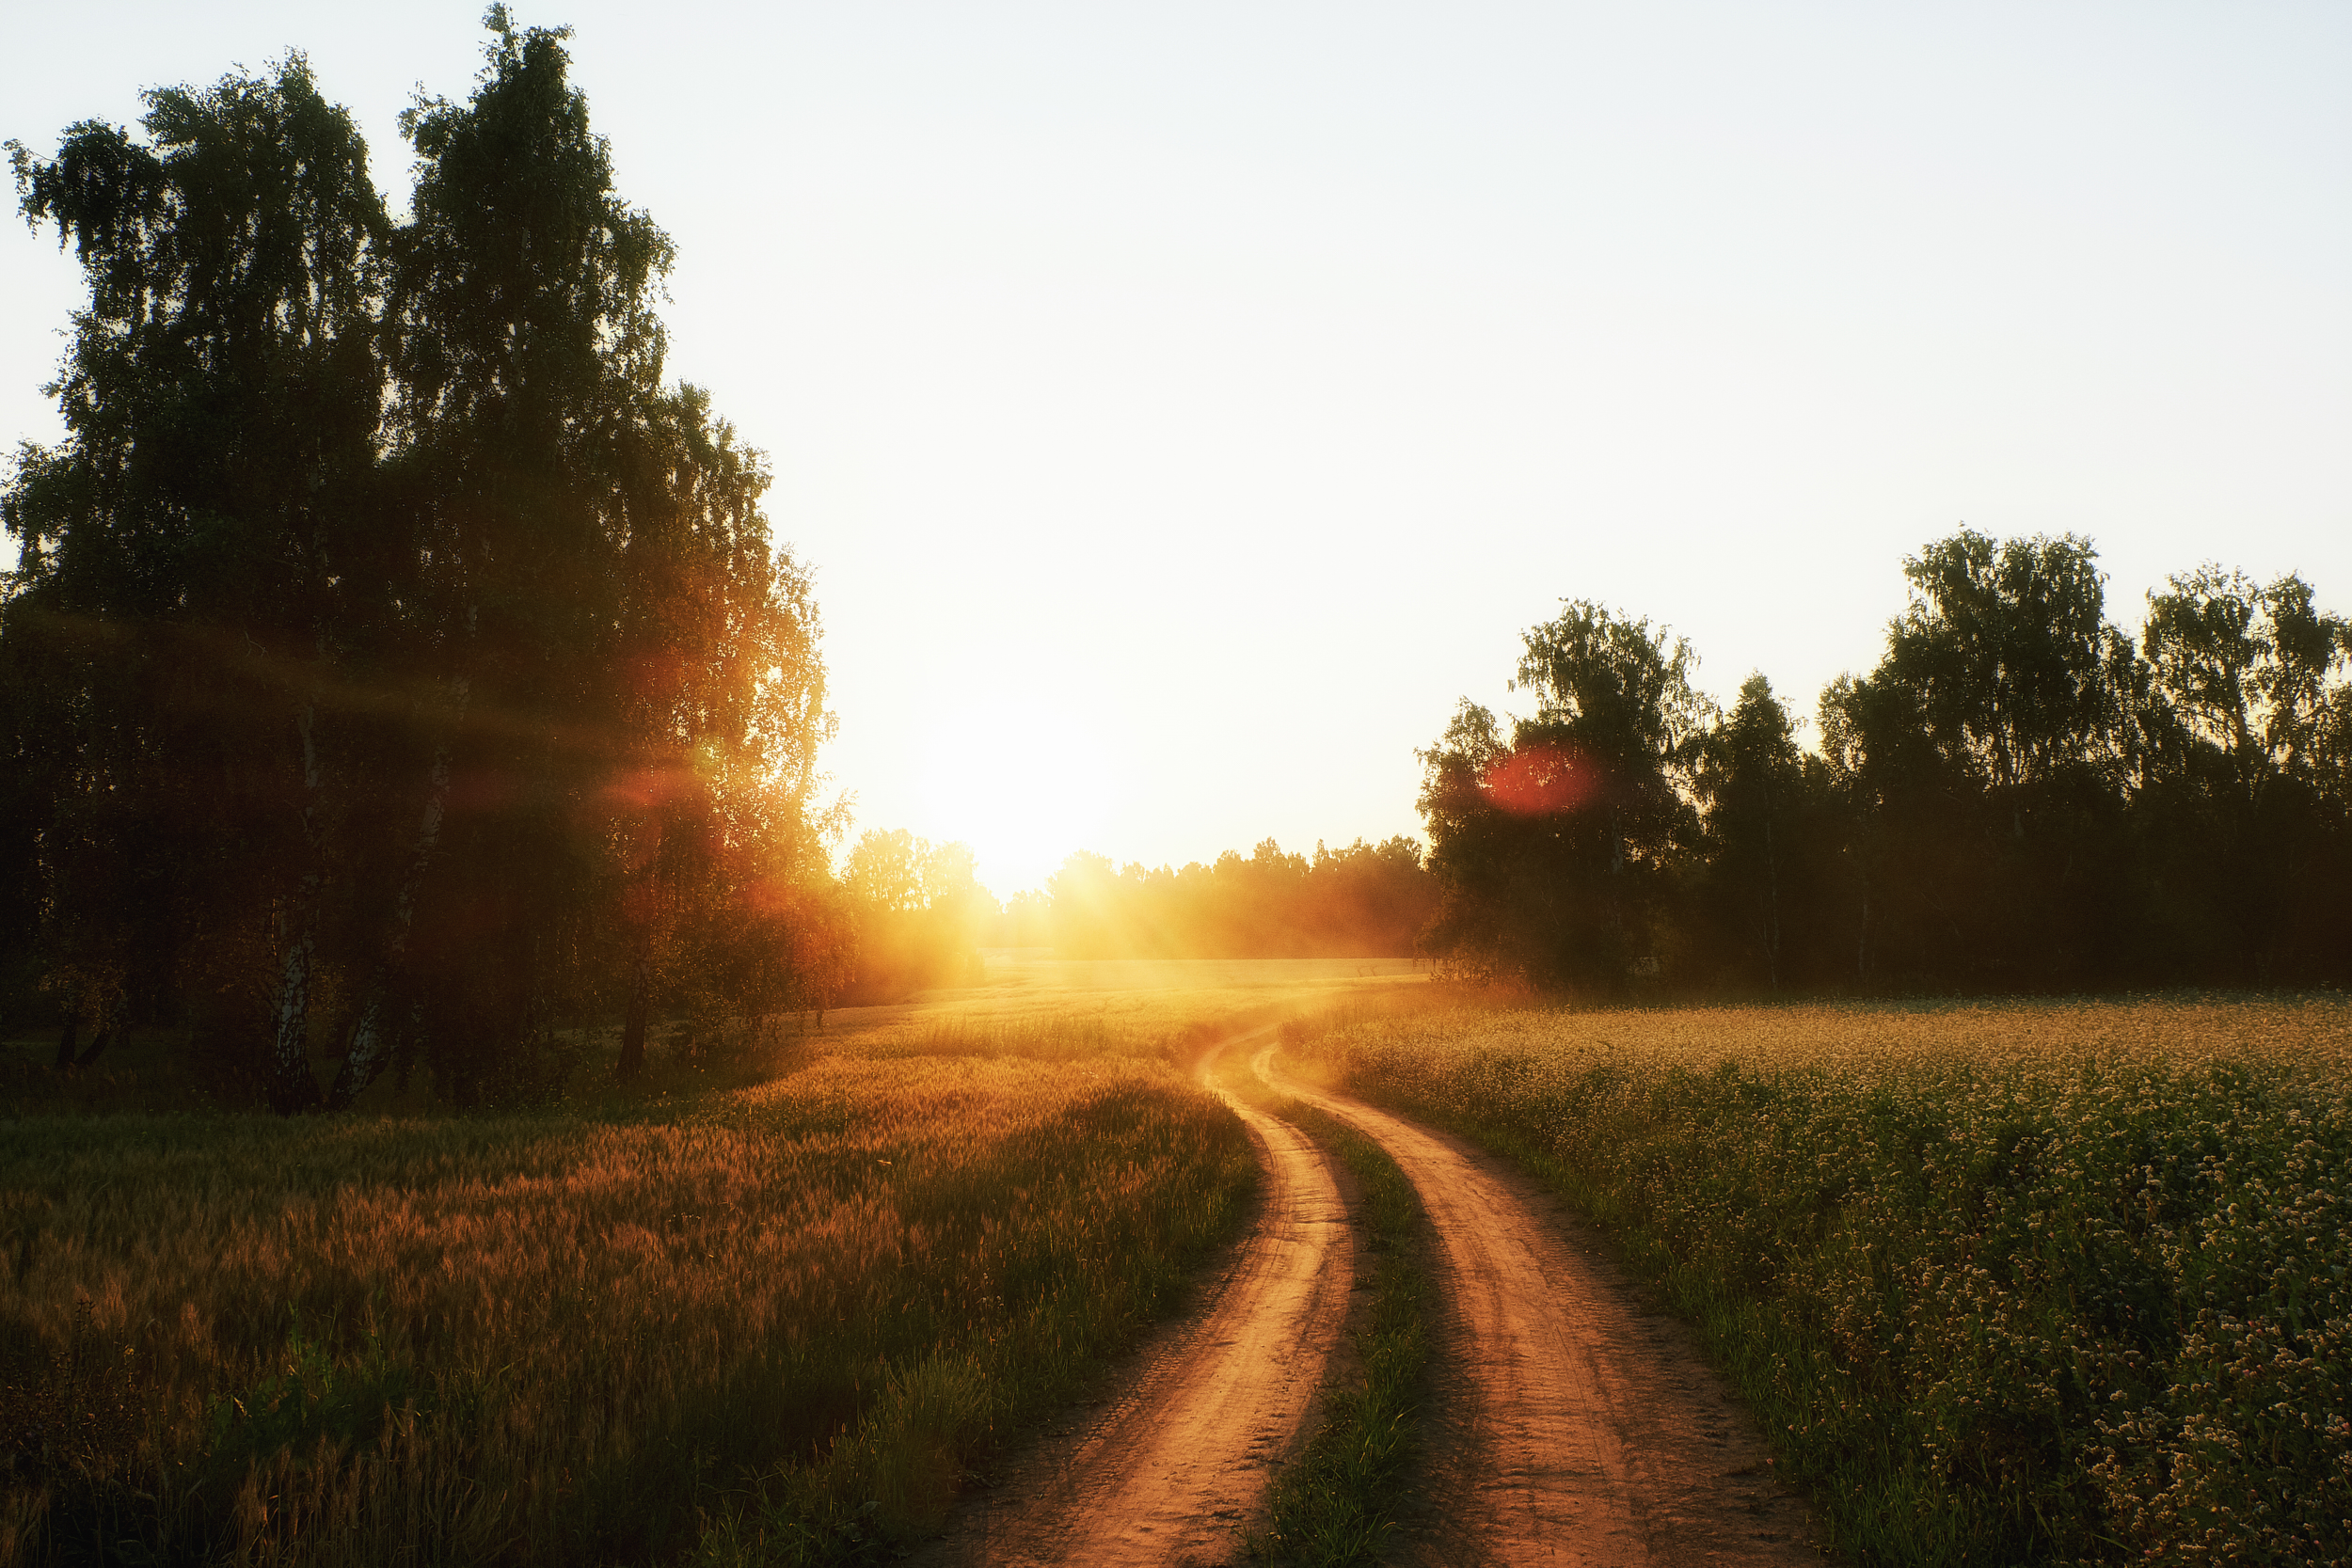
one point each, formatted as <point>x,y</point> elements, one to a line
<point>1584,1430</point>
<point>1175,1470</point>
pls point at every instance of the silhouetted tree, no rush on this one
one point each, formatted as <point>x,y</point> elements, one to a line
<point>2013,797</point>
<point>386,630</point>
<point>1983,761</point>
<point>192,553</point>
<point>1557,848</point>
<point>1762,841</point>
<point>2240,802</point>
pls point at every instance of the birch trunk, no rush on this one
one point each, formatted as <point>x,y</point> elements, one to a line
<point>291,1087</point>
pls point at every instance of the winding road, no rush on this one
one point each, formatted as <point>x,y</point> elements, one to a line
<point>1568,1423</point>
<point>1584,1429</point>
<point>1176,1469</point>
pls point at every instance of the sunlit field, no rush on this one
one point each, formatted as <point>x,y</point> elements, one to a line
<point>2007,1282</point>
<point>763,1323</point>
<point>1026,1003</point>
<point>1032,1002</point>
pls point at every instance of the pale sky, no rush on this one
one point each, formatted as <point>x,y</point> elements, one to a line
<point>1184,404</point>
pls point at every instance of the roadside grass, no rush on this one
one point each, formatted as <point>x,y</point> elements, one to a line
<point>1336,1504</point>
<point>2030,1282</point>
<point>770,1324</point>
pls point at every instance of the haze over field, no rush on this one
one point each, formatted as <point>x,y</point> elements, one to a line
<point>1182,407</point>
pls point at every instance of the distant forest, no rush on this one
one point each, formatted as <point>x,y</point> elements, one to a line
<point>1367,900</point>
<point>2020,797</point>
<point>922,919</point>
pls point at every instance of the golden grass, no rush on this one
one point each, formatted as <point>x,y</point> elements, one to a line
<point>759,1320</point>
<point>2007,1282</point>
<point>794,1310</point>
<point>1031,1004</point>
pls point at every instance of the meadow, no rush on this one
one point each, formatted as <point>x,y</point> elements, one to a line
<point>768,1322</point>
<point>2021,1282</point>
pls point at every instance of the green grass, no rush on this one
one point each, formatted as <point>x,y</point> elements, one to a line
<point>1336,1504</point>
<point>2036,1282</point>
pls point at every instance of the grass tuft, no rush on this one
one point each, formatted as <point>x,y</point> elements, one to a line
<point>1336,1504</point>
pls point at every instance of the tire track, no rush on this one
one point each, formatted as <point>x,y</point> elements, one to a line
<point>1588,1430</point>
<point>1176,1469</point>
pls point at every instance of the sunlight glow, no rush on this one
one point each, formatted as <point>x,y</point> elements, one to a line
<point>1017,778</point>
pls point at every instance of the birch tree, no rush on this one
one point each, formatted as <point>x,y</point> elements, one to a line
<point>387,628</point>
<point>196,532</point>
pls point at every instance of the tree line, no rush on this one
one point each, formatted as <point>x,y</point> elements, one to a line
<point>1365,900</point>
<point>2020,796</point>
<point>397,671</point>
<point>915,916</point>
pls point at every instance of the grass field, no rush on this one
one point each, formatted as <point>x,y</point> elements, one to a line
<point>767,1323</point>
<point>2038,1282</point>
<point>1028,1002</point>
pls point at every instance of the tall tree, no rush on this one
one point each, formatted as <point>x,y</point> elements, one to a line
<point>1984,759</point>
<point>1556,846</point>
<point>2240,811</point>
<point>526,355</point>
<point>1751,779</point>
<point>192,552</point>
<point>385,629</point>
<point>721,697</point>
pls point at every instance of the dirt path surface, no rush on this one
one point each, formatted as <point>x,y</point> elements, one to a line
<point>1174,1470</point>
<point>1571,1424</point>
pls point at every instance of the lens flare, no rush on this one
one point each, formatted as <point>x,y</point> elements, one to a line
<point>1538,779</point>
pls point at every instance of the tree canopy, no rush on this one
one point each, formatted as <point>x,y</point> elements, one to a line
<point>397,668</point>
<point>2018,796</point>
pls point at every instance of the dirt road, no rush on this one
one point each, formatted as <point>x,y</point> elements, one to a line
<point>1571,1425</point>
<point>1176,1469</point>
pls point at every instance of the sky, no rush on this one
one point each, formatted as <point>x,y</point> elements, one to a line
<point>1183,405</point>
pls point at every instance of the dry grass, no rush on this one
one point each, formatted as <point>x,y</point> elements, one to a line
<point>1151,1007</point>
<point>2031,1282</point>
<point>707,1317</point>
<point>556,1339</point>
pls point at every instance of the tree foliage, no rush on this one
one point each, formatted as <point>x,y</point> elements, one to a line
<point>918,915</point>
<point>1363,900</point>
<point>404,670</point>
<point>2017,797</point>
<point>1557,846</point>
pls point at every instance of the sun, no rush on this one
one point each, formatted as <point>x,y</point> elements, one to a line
<point>1017,777</point>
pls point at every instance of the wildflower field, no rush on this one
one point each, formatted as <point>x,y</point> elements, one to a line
<point>2030,1282</point>
<point>770,1324</point>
